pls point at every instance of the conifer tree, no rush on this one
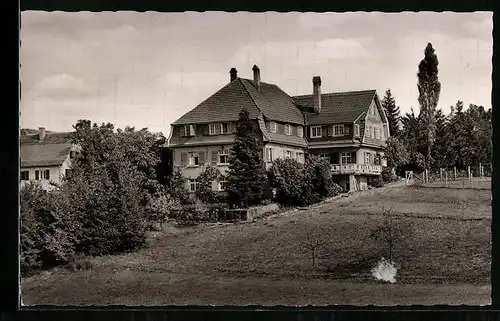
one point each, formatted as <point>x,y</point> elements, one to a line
<point>392,112</point>
<point>246,177</point>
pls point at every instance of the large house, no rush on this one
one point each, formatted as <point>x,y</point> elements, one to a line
<point>45,156</point>
<point>348,128</point>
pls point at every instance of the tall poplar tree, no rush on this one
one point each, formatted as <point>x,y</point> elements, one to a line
<point>429,89</point>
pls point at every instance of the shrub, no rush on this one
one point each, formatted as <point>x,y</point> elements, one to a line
<point>375,181</point>
<point>197,212</point>
<point>47,231</point>
<point>388,176</point>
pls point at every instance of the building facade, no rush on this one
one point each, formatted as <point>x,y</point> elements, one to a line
<point>348,129</point>
<point>45,157</point>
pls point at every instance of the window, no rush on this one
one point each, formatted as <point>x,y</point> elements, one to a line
<point>288,154</point>
<point>338,130</point>
<point>325,156</point>
<point>356,130</point>
<point>300,131</point>
<point>193,185</point>
<point>378,159</point>
<point>367,158</point>
<point>193,159</point>
<point>25,175</point>
<point>288,130</point>
<point>372,109</point>
<point>44,174</point>
<point>273,127</point>
<point>222,185</point>
<point>224,128</point>
<point>223,156</point>
<point>189,130</point>
<point>300,156</point>
<point>269,154</point>
<point>345,158</point>
<point>369,131</point>
<point>377,133</point>
<point>373,135</point>
<point>347,129</point>
<point>211,129</point>
<point>316,131</point>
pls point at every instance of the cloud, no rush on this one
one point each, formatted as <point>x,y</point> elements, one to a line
<point>195,79</point>
<point>480,28</point>
<point>63,86</point>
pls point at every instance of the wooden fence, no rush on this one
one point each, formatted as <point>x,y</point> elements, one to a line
<point>476,177</point>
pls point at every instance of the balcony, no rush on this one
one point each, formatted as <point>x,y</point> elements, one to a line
<point>357,169</point>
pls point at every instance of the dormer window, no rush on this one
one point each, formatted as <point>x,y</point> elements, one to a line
<point>211,129</point>
<point>315,131</point>
<point>338,130</point>
<point>356,130</point>
<point>224,128</point>
<point>300,131</point>
<point>189,130</point>
<point>288,130</point>
<point>273,127</point>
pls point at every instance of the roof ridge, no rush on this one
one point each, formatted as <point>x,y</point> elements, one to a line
<point>339,93</point>
<point>250,95</point>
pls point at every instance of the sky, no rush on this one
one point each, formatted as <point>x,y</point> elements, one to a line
<point>148,69</point>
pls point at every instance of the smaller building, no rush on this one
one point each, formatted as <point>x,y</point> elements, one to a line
<point>46,157</point>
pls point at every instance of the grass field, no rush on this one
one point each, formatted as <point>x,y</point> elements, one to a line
<point>444,258</point>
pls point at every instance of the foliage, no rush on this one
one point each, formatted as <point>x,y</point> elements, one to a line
<point>246,177</point>
<point>46,231</point>
<point>205,191</point>
<point>176,186</point>
<point>376,181</point>
<point>392,112</point>
<point>429,89</point>
<point>388,175</point>
<point>396,153</point>
<point>197,212</point>
<point>300,184</point>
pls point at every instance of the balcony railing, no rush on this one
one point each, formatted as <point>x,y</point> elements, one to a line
<point>357,169</point>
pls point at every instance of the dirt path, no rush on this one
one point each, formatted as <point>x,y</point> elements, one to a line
<point>139,288</point>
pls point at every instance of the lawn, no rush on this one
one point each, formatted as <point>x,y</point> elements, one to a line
<point>444,258</point>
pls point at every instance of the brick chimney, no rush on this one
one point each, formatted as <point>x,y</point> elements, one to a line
<point>317,94</point>
<point>41,133</point>
<point>256,76</point>
<point>234,74</point>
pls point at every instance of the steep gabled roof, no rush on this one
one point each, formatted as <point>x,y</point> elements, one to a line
<point>52,151</point>
<point>44,155</point>
<point>226,104</point>
<point>342,107</point>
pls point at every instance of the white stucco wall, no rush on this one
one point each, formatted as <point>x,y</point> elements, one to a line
<point>279,151</point>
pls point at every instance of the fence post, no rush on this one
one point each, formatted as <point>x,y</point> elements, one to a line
<point>426,176</point>
<point>446,179</point>
<point>468,171</point>
<point>406,177</point>
<point>479,173</point>
<point>440,174</point>
<point>455,172</point>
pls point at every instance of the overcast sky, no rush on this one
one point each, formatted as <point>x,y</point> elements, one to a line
<point>147,69</point>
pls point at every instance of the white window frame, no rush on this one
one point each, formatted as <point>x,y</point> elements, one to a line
<point>189,130</point>
<point>356,130</point>
<point>220,154</point>
<point>377,133</point>
<point>324,156</point>
<point>269,154</point>
<point>345,158</point>
<point>221,182</point>
<point>193,159</point>
<point>367,158</point>
<point>300,131</point>
<point>338,130</point>
<point>273,127</point>
<point>194,185</point>
<point>222,128</point>
<point>288,130</point>
<point>316,129</point>
<point>369,131</point>
<point>288,154</point>
<point>300,156</point>
<point>211,129</point>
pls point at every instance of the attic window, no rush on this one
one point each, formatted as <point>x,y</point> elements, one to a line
<point>300,131</point>
<point>211,129</point>
<point>356,130</point>
<point>25,175</point>
<point>189,130</point>
<point>273,127</point>
<point>224,128</point>
<point>288,130</point>
<point>338,130</point>
<point>315,131</point>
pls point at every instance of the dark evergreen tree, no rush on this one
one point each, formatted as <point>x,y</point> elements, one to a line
<point>247,175</point>
<point>429,89</point>
<point>392,112</point>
